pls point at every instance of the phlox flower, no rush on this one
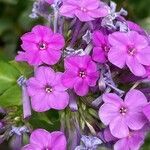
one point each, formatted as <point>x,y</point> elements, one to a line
<point>84,10</point>
<point>41,139</point>
<point>40,46</point>
<point>133,141</point>
<point>80,74</point>
<point>121,116</point>
<point>46,90</point>
<point>131,49</point>
<point>101,47</point>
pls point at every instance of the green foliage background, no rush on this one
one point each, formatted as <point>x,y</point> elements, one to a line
<point>14,21</point>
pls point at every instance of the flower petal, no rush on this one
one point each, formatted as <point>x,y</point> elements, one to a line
<point>112,98</point>
<point>39,102</point>
<point>118,127</point>
<point>81,87</point>
<point>58,140</point>
<point>99,55</point>
<point>108,112</point>
<point>41,138</point>
<point>69,78</point>
<point>57,83</point>
<point>34,86</point>
<point>135,67</point>
<point>83,16</point>
<point>117,56</point>
<point>50,57</point>
<point>45,75</point>
<point>135,120</point>
<point>140,41</point>
<point>146,111</point>
<point>122,144</point>
<point>135,98</point>
<point>56,42</point>
<point>58,100</point>
<point>119,39</point>
<point>143,56</point>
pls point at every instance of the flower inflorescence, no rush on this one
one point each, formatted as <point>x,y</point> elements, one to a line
<point>82,55</point>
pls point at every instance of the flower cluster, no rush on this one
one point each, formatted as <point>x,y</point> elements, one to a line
<point>81,62</point>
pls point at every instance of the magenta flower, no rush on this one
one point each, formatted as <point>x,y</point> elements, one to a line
<point>46,90</point>
<point>41,139</point>
<point>131,49</point>
<point>81,73</point>
<point>101,48</point>
<point>83,9</point>
<point>40,46</point>
<point>123,115</point>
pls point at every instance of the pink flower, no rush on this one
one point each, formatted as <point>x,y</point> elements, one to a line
<point>132,142</point>
<point>46,90</point>
<point>123,115</point>
<point>40,46</point>
<point>81,73</point>
<point>101,48</point>
<point>131,49</point>
<point>41,139</point>
<point>85,10</point>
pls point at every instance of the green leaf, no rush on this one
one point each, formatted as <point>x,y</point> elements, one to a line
<point>8,76</point>
<point>11,97</point>
<point>48,120</point>
<point>23,68</point>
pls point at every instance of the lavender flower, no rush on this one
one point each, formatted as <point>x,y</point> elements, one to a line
<point>89,143</point>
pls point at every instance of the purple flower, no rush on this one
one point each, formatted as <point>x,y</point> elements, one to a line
<point>131,49</point>
<point>40,46</point>
<point>81,73</point>
<point>133,141</point>
<point>123,115</point>
<point>101,48</point>
<point>146,111</point>
<point>46,90</point>
<point>83,9</point>
<point>41,139</point>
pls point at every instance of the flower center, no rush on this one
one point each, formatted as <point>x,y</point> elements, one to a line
<point>123,110</point>
<point>42,46</point>
<point>48,89</point>
<point>131,51</point>
<point>106,48</point>
<point>83,9</point>
<point>82,74</point>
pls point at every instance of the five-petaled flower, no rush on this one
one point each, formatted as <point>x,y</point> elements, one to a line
<point>41,139</point>
<point>131,49</point>
<point>47,91</point>
<point>81,73</point>
<point>40,46</point>
<point>84,10</point>
<point>123,115</point>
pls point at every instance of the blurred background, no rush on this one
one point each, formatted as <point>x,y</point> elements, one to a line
<point>14,21</point>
